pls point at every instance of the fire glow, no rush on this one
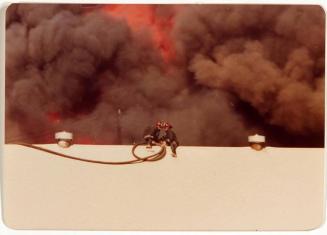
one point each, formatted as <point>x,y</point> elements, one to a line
<point>73,66</point>
<point>143,17</point>
<point>54,117</point>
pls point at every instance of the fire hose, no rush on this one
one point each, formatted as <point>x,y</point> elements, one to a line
<point>138,159</point>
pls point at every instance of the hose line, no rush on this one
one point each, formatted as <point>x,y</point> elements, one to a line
<point>138,159</point>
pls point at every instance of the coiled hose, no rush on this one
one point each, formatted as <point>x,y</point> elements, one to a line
<point>138,159</point>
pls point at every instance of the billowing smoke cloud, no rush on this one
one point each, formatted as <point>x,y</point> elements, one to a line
<point>218,73</point>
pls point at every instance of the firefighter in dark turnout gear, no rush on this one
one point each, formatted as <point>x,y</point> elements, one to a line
<point>162,133</point>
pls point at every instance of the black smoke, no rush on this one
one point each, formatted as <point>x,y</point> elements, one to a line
<point>237,70</point>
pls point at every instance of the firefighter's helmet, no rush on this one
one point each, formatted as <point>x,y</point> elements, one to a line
<point>167,125</point>
<point>160,124</point>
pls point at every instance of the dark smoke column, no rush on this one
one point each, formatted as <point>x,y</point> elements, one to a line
<point>268,60</point>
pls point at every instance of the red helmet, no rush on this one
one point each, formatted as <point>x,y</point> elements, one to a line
<point>159,124</point>
<point>167,125</point>
<point>163,124</point>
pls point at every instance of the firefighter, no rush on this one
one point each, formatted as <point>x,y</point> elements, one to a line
<point>162,133</point>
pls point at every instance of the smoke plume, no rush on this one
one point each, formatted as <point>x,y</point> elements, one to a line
<point>217,73</point>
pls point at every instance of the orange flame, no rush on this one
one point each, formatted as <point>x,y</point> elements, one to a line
<point>54,117</point>
<point>83,140</point>
<point>141,17</point>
